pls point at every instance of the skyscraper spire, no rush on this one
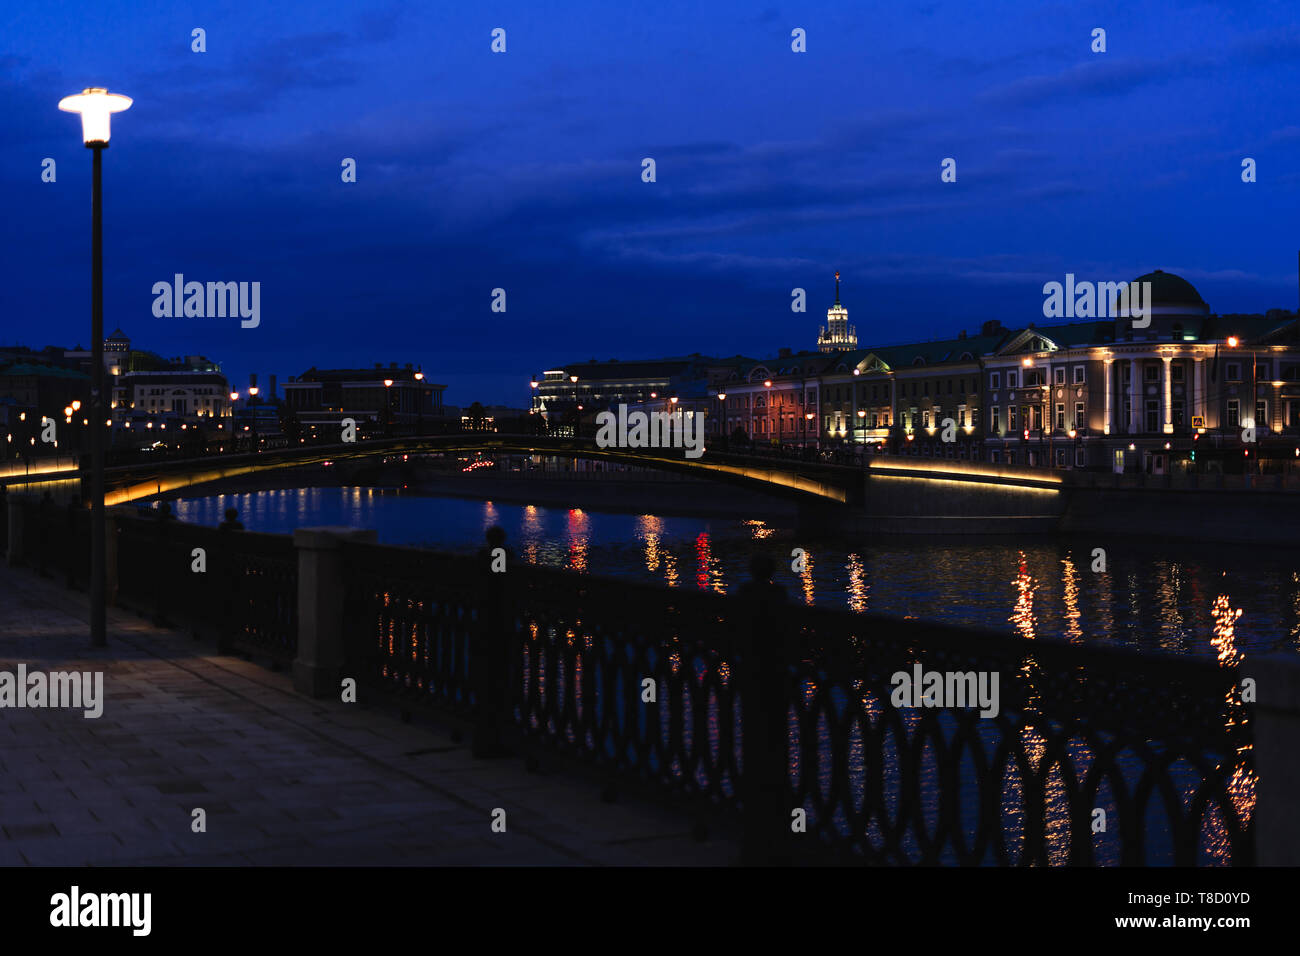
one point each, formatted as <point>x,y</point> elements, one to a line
<point>837,335</point>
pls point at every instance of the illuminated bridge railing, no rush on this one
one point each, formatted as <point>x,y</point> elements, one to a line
<point>1093,756</point>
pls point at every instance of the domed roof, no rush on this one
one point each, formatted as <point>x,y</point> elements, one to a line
<point>1169,289</point>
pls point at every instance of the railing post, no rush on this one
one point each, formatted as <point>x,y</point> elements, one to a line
<point>489,659</point>
<point>1277,738</point>
<point>764,725</point>
<point>16,528</point>
<point>320,607</point>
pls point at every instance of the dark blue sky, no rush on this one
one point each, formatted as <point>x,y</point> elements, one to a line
<point>522,170</point>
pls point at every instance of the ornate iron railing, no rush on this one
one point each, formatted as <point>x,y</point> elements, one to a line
<point>246,594</point>
<point>1155,743</point>
<point>1161,746</point>
<point>749,707</point>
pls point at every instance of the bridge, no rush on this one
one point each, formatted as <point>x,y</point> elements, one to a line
<point>784,475</point>
<point>877,493</point>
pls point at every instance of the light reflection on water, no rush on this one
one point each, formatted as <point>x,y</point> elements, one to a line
<point>1159,594</point>
<point>1171,596</point>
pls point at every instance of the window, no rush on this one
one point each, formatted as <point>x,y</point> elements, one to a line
<point>1080,418</point>
<point>1060,416</point>
<point>1261,371</point>
<point>1011,457</point>
<point>1150,373</point>
<point>993,419</point>
<point>1011,418</point>
<point>995,380</point>
<point>925,418</point>
<point>1079,372</point>
<point>1178,411</point>
<point>1179,372</point>
<point>1234,413</point>
<point>1079,459</point>
<point>1058,375</point>
<point>1060,458</point>
<point>995,456</point>
<point>1011,378</point>
<point>1232,372</point>
<point>1153,415</point>
<point>1261,414</point>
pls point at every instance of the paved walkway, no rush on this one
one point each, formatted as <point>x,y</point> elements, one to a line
<point>283,779</point>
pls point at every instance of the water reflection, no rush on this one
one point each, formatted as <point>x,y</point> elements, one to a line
<point>1149,594</point>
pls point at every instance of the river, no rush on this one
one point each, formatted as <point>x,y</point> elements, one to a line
<point>1180,597</point>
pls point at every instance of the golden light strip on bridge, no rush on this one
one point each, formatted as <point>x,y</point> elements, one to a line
<point>976,474</point>
<point>957,483</point>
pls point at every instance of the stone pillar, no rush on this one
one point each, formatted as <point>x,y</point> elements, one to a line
<point>320,608</point>
<point>1169,394</point>
<point>15,553</point>
<point>1277,737</point>
<point>1110,392</point>
<point>1134,396</point>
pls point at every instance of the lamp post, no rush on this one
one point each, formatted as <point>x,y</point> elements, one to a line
<point>419,402</point>
<point>234,397</point>
<point>252,406</point>
<point>722,429</point>
<point>388,407</point>
<point>96,105</point>
<point>573,380</point>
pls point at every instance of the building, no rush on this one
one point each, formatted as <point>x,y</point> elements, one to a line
<point>380,400</point>
<point>30,392</point>
<point>1109,395</point>
<point>584,389</point>
<point>1189,390</point>
<point>837,335</point>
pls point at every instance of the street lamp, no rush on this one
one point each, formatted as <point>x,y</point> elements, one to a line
<point>573,380</point>
<point>252,404</point>
<point>722,427</point>
<point>419,401</point>
<point>96,105</point>
<point>388,407</point>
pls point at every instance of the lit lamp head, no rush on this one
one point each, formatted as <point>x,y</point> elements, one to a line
<point>1233,341</point>
<point>722,396</point>
<point>388,383</point>
<point>234,396</point>
<point>252,390</point>
<point>95,105</point>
